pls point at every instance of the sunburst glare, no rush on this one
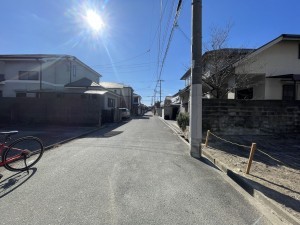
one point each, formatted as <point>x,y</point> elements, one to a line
<point>94,20</point>
<point>88,20</point>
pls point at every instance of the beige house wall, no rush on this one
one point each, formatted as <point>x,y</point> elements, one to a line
<point>279,59</point>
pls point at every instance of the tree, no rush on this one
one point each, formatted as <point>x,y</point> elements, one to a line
<point>217,62</point>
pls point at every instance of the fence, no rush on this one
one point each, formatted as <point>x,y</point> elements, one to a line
<point>252,149</point>
<point>67,110</point>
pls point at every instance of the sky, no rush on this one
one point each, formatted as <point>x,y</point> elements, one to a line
<point>133,44</point>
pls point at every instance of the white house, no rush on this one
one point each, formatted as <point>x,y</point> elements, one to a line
<point>271,72</point>
<point>21,74</point>
<point>276,69</point>
<point>88,88</point>
<point>125,91</point>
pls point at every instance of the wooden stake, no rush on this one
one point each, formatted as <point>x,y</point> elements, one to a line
<point>253,148</point>
<point>207,136</point>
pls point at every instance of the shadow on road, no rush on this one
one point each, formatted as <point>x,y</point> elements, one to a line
<point>16,180</point>
<point>145,117</point>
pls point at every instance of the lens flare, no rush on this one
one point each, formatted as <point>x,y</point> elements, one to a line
<point>94,20</point>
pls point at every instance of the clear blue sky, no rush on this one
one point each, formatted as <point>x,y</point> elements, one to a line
<point>126,49</point>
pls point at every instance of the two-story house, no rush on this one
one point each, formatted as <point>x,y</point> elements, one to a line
<point>124,91</point>
<point>62,88</point>
<point>271,72</point>
<point>20,74</point>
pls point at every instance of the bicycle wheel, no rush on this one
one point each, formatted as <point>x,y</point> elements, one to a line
<point>23,153</point>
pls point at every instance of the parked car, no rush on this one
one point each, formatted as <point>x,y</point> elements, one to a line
<point>125,113</point>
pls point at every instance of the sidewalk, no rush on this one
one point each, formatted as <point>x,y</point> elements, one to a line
<point>51,136</point>
<point>282,199</point>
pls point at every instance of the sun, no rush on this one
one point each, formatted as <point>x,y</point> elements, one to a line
<point>94,20</point>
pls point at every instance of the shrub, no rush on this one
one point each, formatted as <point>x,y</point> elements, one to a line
<point>183,120</point>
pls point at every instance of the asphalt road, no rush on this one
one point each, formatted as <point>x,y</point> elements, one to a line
<point>139,172</point>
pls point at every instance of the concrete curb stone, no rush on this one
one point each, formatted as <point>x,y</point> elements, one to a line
<point>245,185</point>
<point>72,138</point>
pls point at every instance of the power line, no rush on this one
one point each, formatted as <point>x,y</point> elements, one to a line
<point>124,60</point>
<point>184,34</point>
<point>169,42</point>
<point>168,25</point>
<point>122,66</point>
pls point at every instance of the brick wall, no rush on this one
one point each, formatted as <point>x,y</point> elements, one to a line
<point>255,117</point>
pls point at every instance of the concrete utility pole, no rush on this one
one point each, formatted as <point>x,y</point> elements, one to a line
<point>160,90</point>
<point>196,86</point>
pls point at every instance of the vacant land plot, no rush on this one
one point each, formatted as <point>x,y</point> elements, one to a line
<point>276,167</point>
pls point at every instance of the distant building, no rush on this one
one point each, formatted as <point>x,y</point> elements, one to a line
<point>125,91</point>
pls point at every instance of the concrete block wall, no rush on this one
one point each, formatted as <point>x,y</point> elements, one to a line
<point>65,110</point>
<point>253,117</point>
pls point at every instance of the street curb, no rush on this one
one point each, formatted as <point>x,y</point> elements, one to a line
<point>238,179</point>
<point>250,189</point>
<point>72,138</point>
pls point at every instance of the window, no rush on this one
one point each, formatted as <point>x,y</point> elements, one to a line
<point>28,75</point>
<point>244,93</point>
<point>288,92</point>
<point>74,70</point>
<point>136,100</point>
<point>111,102</point>
<point>2,77</point>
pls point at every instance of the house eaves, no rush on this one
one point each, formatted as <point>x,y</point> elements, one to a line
<point>44,57</point>
<point>32,56</point>
<point>294,77</point>
<point>186,75</point>
<point>113,85</point>
<point>283,37</point>
<point>82,83</point>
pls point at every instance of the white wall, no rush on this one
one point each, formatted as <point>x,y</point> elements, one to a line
<point>279,59</point>
<point>55,74</point>
<point>11,69</point>
<point>109,95</point>
<point>273,89</point>
<point>127,95</point>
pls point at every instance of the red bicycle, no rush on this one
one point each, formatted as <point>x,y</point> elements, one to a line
<point>20,154</point>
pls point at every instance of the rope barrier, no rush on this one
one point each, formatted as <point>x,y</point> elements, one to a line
<point>229,141</point>
<point>285,164</point>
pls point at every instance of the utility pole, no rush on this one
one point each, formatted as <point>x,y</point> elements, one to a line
<point>160,90</point>
<point>196,86</point>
